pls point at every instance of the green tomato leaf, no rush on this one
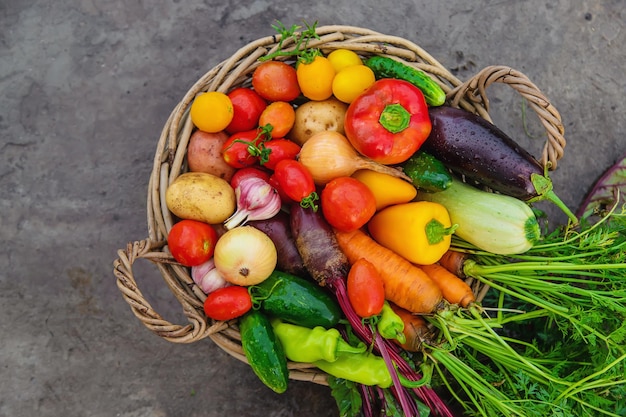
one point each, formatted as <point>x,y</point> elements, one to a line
<point>605,192</point>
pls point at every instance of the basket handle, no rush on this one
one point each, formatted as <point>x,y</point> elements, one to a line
<point>198,326</point>
<point>471,96</point>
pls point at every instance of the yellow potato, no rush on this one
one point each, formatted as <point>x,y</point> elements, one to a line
<point>317,116</point>
<point>201,196</point>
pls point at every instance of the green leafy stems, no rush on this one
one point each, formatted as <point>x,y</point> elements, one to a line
<point>300,40</point>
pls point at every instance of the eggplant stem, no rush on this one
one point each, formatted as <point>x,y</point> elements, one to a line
<point>543,186</point>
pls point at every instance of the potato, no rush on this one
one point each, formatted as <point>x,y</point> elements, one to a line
<point>201,196</point>
<point>204,154</point>
<point>317,116</point>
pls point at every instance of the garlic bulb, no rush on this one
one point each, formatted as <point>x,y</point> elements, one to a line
<point>256,200</point>
<point>207,277</point>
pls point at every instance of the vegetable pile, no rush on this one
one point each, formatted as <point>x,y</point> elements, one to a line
<point>342,215</point>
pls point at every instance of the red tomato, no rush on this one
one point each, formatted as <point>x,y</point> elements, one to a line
<point>366,289</point>
<point>347,203</point>
<point>192,242</point>
<point>236,150</point>
<point>247,108</point>
<point>279,149</point>
<point>296,182</point>
<point>283,196</point>
<point>276,81</point>
<point>227,303</point>
<point>248,172</point>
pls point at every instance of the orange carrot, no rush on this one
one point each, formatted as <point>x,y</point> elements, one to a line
<point>453,261</point>
<point>454,289</point>
<point>415,330</point>
<point>405,284</point>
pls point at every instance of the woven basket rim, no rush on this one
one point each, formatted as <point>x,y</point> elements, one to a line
<point>169,162</point>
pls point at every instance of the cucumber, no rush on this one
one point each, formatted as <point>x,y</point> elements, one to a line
<point>492,222</point>
<point>385,67</point>
<point>427,172</point>
<point>263,351</point>
<point>296,300</point>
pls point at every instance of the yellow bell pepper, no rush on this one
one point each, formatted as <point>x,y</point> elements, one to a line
<point>387,190</point>
<point>419,231</point>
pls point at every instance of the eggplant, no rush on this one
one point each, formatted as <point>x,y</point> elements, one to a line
<point>477,149</point>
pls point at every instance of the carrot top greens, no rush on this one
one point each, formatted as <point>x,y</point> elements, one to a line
<point>549,338</point>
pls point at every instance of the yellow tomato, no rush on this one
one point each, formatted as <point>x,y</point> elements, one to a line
<point>211,112</point>
<point>316,78</point>
<point>342,58</point>
<point>351,81</point>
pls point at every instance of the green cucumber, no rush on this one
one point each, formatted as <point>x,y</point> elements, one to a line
<point>385,67</point>
<point>492,222</point>
<point>426,172</point>
<point>296,300</point>
<point>263,350</point>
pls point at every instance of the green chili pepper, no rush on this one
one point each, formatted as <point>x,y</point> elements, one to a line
<point>303,344</point>
<point>390,325</point>
<point>366,368</point>
<point>363,368</point>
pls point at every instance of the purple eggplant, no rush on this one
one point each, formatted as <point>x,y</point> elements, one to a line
<point>472,146</point>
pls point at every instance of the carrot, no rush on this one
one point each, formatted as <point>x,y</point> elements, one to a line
<point>405,284</point>
<point>415,331</point>
<point>453,261</point>
<point>453,288</point>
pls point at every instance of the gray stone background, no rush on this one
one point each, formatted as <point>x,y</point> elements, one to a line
<point>85,88</point>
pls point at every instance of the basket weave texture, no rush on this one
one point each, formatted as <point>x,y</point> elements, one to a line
<point>169,163</point>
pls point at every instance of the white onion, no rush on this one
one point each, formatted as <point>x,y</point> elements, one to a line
<point>245,256</point>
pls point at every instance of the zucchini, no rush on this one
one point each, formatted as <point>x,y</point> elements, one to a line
<point>492,222</point>
<point>296,300</point>
<point>263,350</point>
<point>426,172</point>
<point>385,67</point>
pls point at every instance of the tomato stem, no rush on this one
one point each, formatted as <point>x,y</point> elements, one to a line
<point>309,201</point>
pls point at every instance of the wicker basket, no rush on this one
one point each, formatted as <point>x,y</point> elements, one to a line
<point>169,162</point>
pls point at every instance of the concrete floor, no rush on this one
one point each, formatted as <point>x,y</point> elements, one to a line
<point>85,88</point>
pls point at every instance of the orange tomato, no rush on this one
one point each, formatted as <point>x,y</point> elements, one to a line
<point>281,116</point>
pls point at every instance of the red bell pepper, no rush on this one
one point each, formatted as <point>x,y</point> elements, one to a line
<point>388,122</point>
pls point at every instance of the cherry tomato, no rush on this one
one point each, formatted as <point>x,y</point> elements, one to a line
<point>296,182</point>
<point>365,288</point>
<point>236,151</point>
<point>283,196</point>
<point>316,78</point>
<point>281,116</point>
<point>211,112</point>
<point>277,150</point>
<point>248,172</point>
<point>342,58</point>
<point>350,82</point>
<point>192,242</point>
<point>247,108</point>
<point>276,81</point>
<point>227,303</point>
<point>347,203</point>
